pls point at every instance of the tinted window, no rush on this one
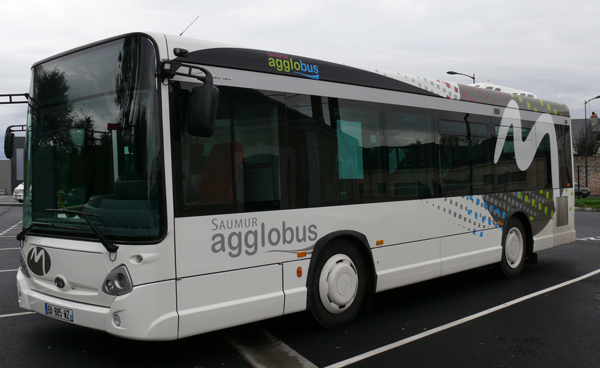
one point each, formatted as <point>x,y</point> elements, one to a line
<point>410,149</point>
<point>563,136</point>
<point>275,150</point>
<point>466,155</point>
<point>312,152</point>
<point>463,128</point>
<point>238,168</point>
<point>539,173</point>
<point>360,152</point>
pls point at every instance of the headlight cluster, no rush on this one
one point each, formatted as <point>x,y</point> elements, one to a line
<point>118,282</point>
<point>24,268</point>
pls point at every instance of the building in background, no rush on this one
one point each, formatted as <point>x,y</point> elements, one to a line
<point>12,171</point>
<point>578,130</point>
<point>593,155</point>
<point>5,177</point>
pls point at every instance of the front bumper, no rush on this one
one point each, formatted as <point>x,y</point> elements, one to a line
<point>146,313</point>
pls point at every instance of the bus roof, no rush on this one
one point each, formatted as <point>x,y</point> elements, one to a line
<point>266,61</point>
<point>499,88</point>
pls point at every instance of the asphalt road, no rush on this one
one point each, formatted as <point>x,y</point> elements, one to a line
<point>470,319</point>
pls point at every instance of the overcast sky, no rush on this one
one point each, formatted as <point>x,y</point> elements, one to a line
<point>548,47</point>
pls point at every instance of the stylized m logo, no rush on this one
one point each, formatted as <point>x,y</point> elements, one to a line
<point>38,261</point>
<point>525,150</point>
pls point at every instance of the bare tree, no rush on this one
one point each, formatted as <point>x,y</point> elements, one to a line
<point>592,141</point>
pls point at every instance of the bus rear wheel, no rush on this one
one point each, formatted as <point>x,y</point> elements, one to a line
<point>338,285</point>
<point>513,249</point>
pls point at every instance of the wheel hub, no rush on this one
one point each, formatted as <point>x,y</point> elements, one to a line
<point>514,247</point>
<point>338,284</point>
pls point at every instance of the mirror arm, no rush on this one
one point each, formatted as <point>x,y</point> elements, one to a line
<point>170,69</point>
<point>28,100</point>
<point>15,128</point>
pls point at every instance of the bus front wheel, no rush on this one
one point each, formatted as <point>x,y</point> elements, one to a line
<point>513,249</point>
<point>338,285</point>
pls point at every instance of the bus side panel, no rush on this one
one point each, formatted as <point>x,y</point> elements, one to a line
<point>471,250</point>
<point>294,282</point>
<point>406,264</point>
<point>564,230</point>
<point>212,302</point>
<point>545,238</point>
<point>565,237</point>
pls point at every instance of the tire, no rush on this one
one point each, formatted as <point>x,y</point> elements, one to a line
<point>338,285</point>
<point>514,247</point>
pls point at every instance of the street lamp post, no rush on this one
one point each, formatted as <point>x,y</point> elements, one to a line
<point>466,75</point>
<point>585,136</point>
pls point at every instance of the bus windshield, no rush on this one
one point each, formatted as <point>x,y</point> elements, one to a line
<point>94,144</point>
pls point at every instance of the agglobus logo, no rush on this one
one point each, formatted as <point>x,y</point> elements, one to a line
<point>237,236</point>
<point>284,63</point>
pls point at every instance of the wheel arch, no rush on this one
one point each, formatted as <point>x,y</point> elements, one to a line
<point>526,225</point>
<point>361,243</point>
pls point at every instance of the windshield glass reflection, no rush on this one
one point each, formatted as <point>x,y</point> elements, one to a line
<point>94,142</point>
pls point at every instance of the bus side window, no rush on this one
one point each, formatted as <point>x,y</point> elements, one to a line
<point>410,151</point>
<point>466,161</point>
<point>564,155</point>
<point>360,152</point>
<point>256,120</point>
<point>312,151</point>
<point>216,183</point>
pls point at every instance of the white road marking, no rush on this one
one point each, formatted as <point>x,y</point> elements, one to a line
<point>263,350</point>
<point>399,343</point>
<point>10,228</point>
<point>591,238</point>
<point>9,248</point>
<point>15,314</point>
<point>9,270</point>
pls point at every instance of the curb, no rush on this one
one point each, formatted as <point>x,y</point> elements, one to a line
<point>589,209</point>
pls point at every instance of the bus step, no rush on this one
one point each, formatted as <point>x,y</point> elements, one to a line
<point>531,259</point>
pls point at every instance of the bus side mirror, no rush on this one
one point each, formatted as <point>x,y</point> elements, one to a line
<point>202,110</point>
<point>9,143</point>
<point>203,101</point>
<point>9,139</point>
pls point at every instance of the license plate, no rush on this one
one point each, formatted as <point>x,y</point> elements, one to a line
<point>61,313</point>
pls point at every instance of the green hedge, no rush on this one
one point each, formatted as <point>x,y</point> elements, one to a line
<point>588,202</point>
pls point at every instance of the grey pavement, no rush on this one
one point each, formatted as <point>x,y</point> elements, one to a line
<point>7,200</point>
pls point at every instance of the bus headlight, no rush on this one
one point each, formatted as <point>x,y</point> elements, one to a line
<point>24,268</point>
<point>118,282</point>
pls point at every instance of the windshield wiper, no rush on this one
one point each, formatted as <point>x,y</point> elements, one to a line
<point>21,235</point>
<point>110,247</point>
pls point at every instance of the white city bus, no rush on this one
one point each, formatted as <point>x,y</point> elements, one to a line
<point>175,186</point>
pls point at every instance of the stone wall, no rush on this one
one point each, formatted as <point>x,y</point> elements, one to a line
<point>593,171</point>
